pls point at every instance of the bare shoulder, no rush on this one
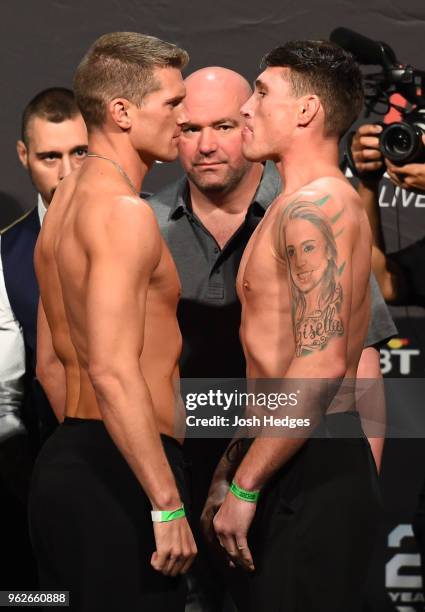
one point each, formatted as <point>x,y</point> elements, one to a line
<point>120,228</point>
<point>52,222</point>
<point>331,192</point>
<point>318,232</point>
<point>331,197</point>
<point>329,203</point>
<point>130,209</point>
<point>341,203</point>
<point>118,215</point>
<point>57,210</point>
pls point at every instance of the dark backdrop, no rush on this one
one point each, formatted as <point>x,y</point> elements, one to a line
<point>43,41</point>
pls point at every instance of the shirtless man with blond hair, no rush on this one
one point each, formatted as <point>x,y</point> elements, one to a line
<point>110,289</point>
<point>304,288</point>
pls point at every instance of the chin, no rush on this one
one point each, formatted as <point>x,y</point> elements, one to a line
<point>253,154</point>
<point>207,186</point>
<point>213,187</point>
<point>167,157</point>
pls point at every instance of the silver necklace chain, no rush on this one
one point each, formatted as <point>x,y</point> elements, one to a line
<point>119,168</point>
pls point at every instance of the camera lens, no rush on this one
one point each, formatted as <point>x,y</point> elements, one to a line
<point>401,142</point>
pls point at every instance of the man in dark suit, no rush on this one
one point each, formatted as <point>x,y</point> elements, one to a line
<point>53,143</point>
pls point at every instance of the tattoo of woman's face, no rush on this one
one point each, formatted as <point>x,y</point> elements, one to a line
<point>311,255</point>
<point>306,254</point>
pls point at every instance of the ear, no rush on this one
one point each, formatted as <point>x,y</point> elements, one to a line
<point>120,111</point>
<point>22,152</point>
<point>307,110</point>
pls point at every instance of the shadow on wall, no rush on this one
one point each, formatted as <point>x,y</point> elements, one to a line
<point>10,209</point>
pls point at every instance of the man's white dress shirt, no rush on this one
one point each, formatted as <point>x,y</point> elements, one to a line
<point>12,358</point>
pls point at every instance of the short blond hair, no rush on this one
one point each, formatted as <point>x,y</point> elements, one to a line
<point>121,64</point>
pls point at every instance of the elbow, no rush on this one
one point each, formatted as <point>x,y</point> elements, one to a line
<point>100,375</point>
<point>337,369</point>
<point>387,275</point>
<point>332,368</point>
<point>47,376</point>
<point>42,373</point>
<point>388,285</point>
<point>369,365</point>
<point>107,379</point>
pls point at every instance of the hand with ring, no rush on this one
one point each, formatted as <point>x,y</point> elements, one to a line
<point>231,524</point>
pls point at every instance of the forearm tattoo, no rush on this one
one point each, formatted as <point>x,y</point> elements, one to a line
<point>308,243</point>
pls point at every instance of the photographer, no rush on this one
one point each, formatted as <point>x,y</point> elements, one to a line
<point>389,161</point>
<point>397,273</point>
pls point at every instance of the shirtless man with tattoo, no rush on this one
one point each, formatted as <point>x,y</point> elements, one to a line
<point>301,511</point>
<point>110,288</point>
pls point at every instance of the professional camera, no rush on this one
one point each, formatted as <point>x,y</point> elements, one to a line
<point>400,142</point>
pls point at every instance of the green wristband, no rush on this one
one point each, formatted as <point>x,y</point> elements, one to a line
<point>163,516</point>
<point>249,496</point>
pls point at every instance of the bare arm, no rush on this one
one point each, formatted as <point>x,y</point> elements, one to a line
<point>368,159</point>
<point>370,401</point>
<point>320,331</point>
<point>50,371</point>
<point>219,486</point>
<point>369,164</point>
<point>320,340</point>
<point>121,261</point>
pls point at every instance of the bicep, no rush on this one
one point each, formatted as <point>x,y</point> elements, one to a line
<point>118,278</point>
<point>115,310</point>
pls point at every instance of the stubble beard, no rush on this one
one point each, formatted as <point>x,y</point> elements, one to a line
<point>228,183</point>
<point>47,197</point>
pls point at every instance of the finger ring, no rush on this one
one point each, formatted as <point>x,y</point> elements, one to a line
<point>239,547</point>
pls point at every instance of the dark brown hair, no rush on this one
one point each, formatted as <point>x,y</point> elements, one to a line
<point>325,69</point>
<point>55,104</point>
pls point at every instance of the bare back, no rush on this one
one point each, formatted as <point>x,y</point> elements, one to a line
<point>98,234</point>
<point>304,283</point>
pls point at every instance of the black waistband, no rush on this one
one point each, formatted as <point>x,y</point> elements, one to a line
<point>98,425</point>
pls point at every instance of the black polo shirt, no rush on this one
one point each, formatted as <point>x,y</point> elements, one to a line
<point>209,310</point>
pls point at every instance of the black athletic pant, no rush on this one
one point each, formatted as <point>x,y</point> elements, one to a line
<point>91,527</point>
<point>315,527</point>
<point>18,568</point>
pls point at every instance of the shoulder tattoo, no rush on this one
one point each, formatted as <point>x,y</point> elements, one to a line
<point>306,242</point>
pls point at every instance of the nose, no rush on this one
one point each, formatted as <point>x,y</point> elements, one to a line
<point>299,258</point>
<point>65,167</point>
<point>246,110</point>
<point>183,116</point>
<point>207,142</point>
